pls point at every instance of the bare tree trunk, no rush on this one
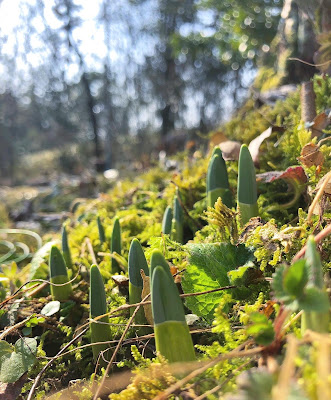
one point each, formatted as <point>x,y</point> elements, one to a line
<point>301,22</point>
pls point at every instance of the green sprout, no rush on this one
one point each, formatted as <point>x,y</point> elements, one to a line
<point>137,262</point>
<point>167,221</point>
<point>100,330</point>
<point>247,191</point>
<point>101,230</point>
<point>116,245</point>
<point>172,335</point>
<point>65,248</point>
<point>316,320</point>
<point>177,230</point>
<point>59,275</point>
<point>217,180</point>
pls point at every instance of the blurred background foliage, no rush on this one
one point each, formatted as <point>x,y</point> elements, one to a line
<point>104,84</point>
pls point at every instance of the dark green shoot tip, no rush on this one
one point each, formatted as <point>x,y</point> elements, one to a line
<point>177,229</point>
<point>172,336</point>
<point>158,260</point>
<point>167,221</point>
<point>137,262</point>
<point>116,245</point>
<point>65,248</point>
<point>101,230</point>
<point>247,190</point>
<point>59,275</point>
<point>217,181</point>
<point>100,331</point>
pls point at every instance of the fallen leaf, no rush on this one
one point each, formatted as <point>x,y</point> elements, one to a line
<point>254,146</point>
<point>327,189</point>
<point>120,280</point>
<point>295,173</point>
<point>230,150</point>
<point>322,120</point>
<point>311,155</point>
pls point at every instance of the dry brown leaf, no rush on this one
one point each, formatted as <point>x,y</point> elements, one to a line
<point>254,146</point>
<point>327,189</point>
<point>230,150</point>
<point>311,155</point>
<point>321,121</point>
<point>146,290</point>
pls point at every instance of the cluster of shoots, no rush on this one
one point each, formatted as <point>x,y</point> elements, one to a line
<point>218,184</point>
<point>173,220</point>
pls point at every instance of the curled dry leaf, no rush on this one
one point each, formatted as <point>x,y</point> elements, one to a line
<point>322,120</point>
<point>120,280</point>
<point>295,173</point>
<point>254,146</point>
<point>311,155</point>
<point>230,150</point>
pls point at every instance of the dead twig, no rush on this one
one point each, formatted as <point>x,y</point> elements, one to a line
<point>318,238</point>
<point>117,348</point>
<point>232,354</point>
<point>38,377</point>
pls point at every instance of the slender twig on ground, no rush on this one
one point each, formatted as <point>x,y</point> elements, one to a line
<point>50,362</point>
<point>118,347</point>
<point>318,238</point>
<point>232,354</point>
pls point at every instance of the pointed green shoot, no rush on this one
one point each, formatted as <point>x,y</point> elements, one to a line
<point>247,191</point>
<point>217,181</point>
<point>177,229</point>
<point>172,336</point>
<point>137,261</point>
<point>167,221</point>
<point>59,275</point>
<point>116,245</point>
<point>100,331</point>
<point>101,230</point>
<point>65,248</point>
<point>157,260</point>
<point>314,320</point>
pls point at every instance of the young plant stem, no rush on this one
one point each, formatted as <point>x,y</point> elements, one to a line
<point>167,221</point>
<point>100,331</point>
<point>172,335</point>
<point>116,245</point>
<point>59,275</point>
<point>65,248</point>
<point>247,190</point>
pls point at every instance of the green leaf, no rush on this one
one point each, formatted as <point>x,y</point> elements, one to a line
<point>295,278</point>
<point>15,361</point>
<point>208,269</point>
<point>261,329</point>
<point>51,308</point>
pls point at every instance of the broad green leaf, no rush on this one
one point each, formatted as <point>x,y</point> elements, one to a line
<point>296,278</point>
<point>208,268</point>
<point>18,360</point>
<point>51,308</point>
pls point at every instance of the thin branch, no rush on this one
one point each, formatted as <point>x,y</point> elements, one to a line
<point>232,354</point>
<point>318,238</point>
<point>90,249</point>
<point>117,348</point>
<point>319,194</point>
<point>38,377</point>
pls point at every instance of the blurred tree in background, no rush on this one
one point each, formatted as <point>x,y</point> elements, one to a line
<point>108,76</point>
